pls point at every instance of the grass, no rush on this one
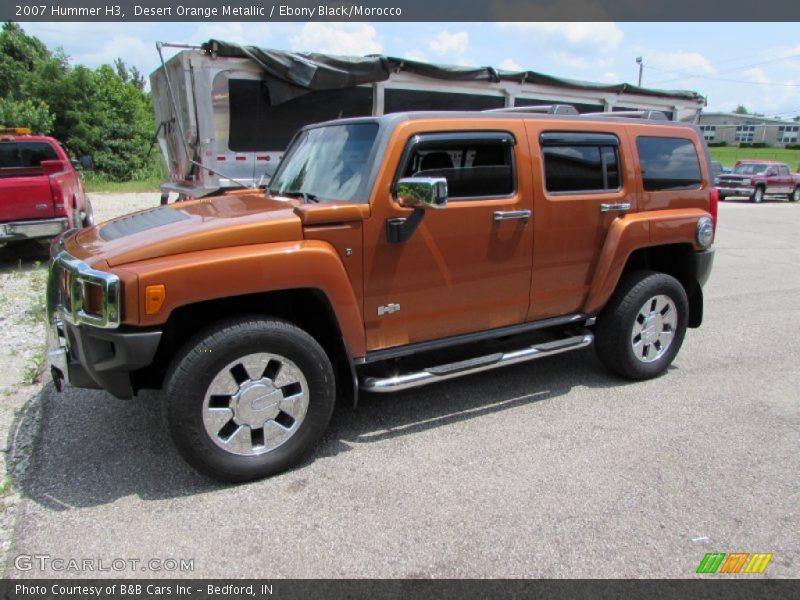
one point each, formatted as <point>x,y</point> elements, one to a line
<point>31,373</point>
<point>728,155</point>
<point>101,185</point>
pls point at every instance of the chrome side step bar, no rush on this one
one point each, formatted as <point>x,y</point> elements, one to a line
<point>474,365</point>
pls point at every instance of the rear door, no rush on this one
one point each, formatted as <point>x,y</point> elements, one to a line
<point>785,181</point>
<point>582,181</point>
<point>24,190</point>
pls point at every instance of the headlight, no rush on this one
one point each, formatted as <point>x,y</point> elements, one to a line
<point>705,231</point>
<point>85,295</point>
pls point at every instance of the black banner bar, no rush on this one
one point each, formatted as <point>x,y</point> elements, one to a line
<point>397,589</point>
<point>400,10</point>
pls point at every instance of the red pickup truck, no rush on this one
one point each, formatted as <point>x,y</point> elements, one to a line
<point>41,192</point>
<point>759,178</point>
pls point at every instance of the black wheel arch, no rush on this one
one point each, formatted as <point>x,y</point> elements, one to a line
<point>676,260</point>
<point>307,308</point>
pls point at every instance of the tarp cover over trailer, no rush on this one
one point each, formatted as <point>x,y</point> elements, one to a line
<point>292,74</point>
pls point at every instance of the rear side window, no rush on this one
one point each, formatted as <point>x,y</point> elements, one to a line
<point>668,163</point>
<point>475,165</point>
<point>580,162</point>
<point>25,154</point>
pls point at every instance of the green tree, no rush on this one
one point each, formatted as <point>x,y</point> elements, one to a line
<point>26,113</point>
<point>103,112</point>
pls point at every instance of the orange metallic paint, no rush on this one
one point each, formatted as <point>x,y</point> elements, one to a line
<point>216,222</point>
<point>211,274</point>
<point>460,272</point>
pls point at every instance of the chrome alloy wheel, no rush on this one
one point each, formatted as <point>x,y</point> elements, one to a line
<point>654,328</point>
<point>255,403</point>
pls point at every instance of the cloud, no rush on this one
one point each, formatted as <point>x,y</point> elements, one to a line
<point>450,44</point>
<point>577,35</point>
<point>416,55</point>
<point>610,77</point>
<point>133,51</point>
<point>254,34</point>
<point>338,38</point>
<point>679,60</point>
<point>575,61</point>
<point>574,46</point>
<point>509,65</point>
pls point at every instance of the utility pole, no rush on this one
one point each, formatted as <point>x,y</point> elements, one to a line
<point>641,66</point>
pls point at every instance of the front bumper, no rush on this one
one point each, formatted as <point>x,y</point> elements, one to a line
<point>91,350</point>
<point>30,230</point>
<point>89,357</point>
<point>735,191</point>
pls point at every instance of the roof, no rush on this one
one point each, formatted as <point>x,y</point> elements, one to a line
<point>295,73</point>
<point>393,119</point>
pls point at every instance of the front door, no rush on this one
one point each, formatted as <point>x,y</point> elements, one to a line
<point>466,267</point>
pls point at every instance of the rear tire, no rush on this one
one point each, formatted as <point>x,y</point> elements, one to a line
<point>248,398</point>
<point>639,332</point>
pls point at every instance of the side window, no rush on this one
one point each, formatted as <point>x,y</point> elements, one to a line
<point>479,165</point>
<point>668,163</point>
<point>783,171</point>
<point>580,162</point>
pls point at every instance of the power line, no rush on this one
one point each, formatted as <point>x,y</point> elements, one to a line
<point>704,76</point>
<point>710,78</point>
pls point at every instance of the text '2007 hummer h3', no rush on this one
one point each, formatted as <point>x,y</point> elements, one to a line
<point>389,253</point>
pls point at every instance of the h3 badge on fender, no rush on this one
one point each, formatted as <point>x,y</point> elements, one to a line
<point>389,309</point>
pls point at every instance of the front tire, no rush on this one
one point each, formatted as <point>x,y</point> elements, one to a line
<point>795,195</point>
<point>249,398</point>
<point>641,329</point>
<point>758,195</point>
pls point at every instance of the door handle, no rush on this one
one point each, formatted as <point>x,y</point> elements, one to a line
<point>507,215</point>
<point>619,206</point>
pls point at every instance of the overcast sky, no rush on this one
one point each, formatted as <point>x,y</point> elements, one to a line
<point>755,64</point>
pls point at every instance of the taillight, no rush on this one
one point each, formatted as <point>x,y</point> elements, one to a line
<point>713,205</point>
<point>59,205</point>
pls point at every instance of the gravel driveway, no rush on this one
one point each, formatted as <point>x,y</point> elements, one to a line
<point>549,469</point>
<point>22,311</point>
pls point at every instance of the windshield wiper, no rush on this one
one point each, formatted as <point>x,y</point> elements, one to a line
<point>304,195</point>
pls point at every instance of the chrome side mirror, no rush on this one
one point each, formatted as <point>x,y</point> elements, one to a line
<point>422,192</point>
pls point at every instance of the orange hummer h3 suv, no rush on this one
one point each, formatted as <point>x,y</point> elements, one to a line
<point>388,253</point>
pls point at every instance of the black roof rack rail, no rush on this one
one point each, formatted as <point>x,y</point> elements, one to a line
<point>652,115</point>
<point>546,109</point>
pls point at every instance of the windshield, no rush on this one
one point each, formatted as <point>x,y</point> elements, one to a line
<point>326,164</point>
<point>750,169</point>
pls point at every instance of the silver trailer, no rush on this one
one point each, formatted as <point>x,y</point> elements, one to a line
<point>225,112</point>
